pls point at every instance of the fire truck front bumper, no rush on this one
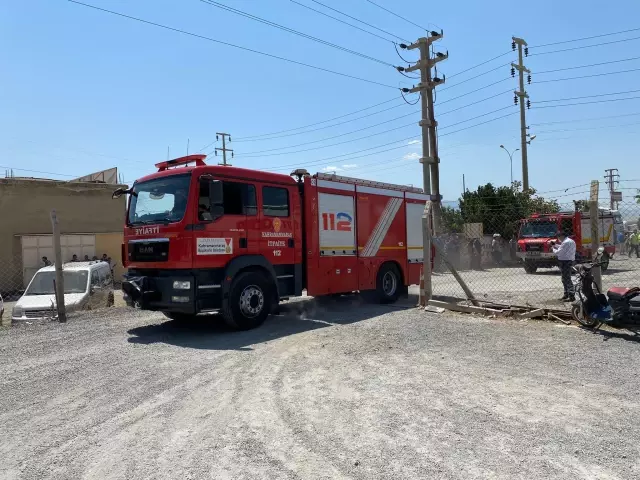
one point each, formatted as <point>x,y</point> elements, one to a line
<point>166,293</point>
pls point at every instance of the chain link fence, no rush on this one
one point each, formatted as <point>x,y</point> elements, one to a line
<point>505,254</point>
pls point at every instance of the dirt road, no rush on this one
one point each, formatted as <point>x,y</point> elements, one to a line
<point>342,391</point>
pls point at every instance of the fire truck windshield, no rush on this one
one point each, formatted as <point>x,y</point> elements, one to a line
<point>162,200</point>
<point>539,229</point>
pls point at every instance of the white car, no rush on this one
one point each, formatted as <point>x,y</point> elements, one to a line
<point>87,285</point>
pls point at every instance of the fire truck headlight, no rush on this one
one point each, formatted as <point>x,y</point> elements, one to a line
<point>181,285</point>
<point>177,299</point>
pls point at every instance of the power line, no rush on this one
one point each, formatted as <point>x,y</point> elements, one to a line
<point>480,64</point>
<point>588,128</point>
<point>290,30</point>
<point>584,119</point>
<point>262,152</point>
<point>588,76</point>
<point>317,123</point>
<point>259,137</point>
<point>325,127</point>
<point>586,46</point>
<point>38,171</point>
<point>369,115</point>
<point>333,136</point>
<point>587,96</point>
<point>587,66</point>
<point>395,14</point>
<point>587,103</point>
<point>586,38</point>
<point>358,20</point>
<point>473,78</point>
<point>246,49</point>
<point>403,141</point>
<point>341,21</point>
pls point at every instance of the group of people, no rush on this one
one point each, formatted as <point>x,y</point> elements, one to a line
<point>631,243</point>
<point>453,245</point>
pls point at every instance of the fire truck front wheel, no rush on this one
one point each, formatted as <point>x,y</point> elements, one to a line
<point>249,302</point>
<point>530,267</point>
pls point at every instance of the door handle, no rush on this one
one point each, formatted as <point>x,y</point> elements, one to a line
<point>291,243</point>
<point>243,242</point>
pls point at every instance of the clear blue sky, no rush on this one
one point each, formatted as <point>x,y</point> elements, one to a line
<point>84,90</point>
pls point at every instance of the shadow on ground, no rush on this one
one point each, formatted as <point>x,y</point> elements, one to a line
<point>299,316</point>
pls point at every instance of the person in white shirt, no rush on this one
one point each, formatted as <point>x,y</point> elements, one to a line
<point>566,253</point>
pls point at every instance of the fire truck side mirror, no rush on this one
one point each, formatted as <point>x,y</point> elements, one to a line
<point>216,199</point>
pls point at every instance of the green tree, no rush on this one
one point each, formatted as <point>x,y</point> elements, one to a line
<point>452,220</point>
<point>500,209</point>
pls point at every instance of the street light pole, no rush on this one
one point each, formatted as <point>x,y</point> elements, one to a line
<point>510,160</point>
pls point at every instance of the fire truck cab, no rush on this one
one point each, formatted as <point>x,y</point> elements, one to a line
<point>202,238</point>
<point>538,233</point>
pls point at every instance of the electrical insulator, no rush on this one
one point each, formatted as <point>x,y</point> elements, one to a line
<point>528,104</point>
<point>513,72</point>
<point>216,138</point>
<point>513,45</point>
<point>515,99</point>
<point>526,51</point>
<point>529,78</point>
<point>215,152</point>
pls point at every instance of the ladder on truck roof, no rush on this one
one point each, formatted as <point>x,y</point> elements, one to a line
<point>367,183</point>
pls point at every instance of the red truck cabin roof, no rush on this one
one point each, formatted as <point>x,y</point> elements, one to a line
<point>167,169</point>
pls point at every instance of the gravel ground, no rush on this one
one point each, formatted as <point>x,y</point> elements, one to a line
<point>323,391</point>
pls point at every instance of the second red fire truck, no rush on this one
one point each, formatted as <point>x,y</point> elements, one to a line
<point>202,238</point>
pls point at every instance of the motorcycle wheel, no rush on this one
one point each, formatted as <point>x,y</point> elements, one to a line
<point>576,313</point>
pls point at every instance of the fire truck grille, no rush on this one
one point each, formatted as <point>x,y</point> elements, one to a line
<point>533,247</point>
<point>152,251</point>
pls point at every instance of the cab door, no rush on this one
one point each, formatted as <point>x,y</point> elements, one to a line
<point>221,229</point>
<point>278,238</point>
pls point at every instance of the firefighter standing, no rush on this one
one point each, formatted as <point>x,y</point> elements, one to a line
<point>634,244</point>
<point>566,252</point>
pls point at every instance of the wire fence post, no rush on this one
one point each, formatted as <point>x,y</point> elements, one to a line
<point>59,282</point>
<point>595,234</point>
<point>426,254</point>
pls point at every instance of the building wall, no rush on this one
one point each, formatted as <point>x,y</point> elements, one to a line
<point>111,244</point>
<point>25,208</point>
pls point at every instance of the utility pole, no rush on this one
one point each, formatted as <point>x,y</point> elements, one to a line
<point>224,148</point>
<point>595,231</point>
<point>430,160</point>
<point>520,95</point>
<point>612,181</point>
<point>59,281</point>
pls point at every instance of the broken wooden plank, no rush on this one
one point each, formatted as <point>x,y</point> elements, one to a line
<point>467,308</point>
<point>538,312</point>
<point>554,317</point>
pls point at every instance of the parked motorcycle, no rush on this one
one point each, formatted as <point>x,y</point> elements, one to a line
<point>620,306</point>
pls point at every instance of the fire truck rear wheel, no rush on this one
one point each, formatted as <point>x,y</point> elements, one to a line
<point>388,283</point>
<point>249,302</point>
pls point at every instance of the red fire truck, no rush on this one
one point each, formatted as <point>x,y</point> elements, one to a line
<point>537,233</point>
<point>201,238</point>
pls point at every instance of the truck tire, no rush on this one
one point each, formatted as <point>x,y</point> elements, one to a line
<point>249,302</point>
<point>388,284</point>
<point>530,267</point>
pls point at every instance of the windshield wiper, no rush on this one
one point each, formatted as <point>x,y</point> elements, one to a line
<point>164,221</point>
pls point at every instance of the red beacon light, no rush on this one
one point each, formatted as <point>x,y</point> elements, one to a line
<point>198,159</point>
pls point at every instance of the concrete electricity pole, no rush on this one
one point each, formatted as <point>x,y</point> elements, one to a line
<point>224,148</point>
<point>520,95</point>
<point>612,181</point>
<point>430,160</point>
